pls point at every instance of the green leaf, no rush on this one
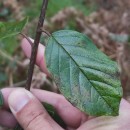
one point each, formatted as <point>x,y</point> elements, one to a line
<point>8,29</point>
<point>9,44</point>
<point>84,75</point>
<point>3,77</point>
<point>1,99</point>
<point>18,127</point>
<point>52,112</point>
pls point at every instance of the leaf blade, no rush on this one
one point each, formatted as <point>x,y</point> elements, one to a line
<point>75,63</point>
<point>8,29</point>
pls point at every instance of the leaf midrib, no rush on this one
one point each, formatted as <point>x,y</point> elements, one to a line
<point>82,72</point>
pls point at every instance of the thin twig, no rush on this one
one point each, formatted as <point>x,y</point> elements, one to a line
<point>46,32</point>
<point>34,49</point>
<point>36,43</point>
<point>27,39</point>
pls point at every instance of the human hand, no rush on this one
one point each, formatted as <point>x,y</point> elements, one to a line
<point>33,116</point>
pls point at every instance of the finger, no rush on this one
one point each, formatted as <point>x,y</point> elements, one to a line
<point>40,61</point>
<point>29,111</point>
<point>69,114</point>
<point>5,93</point>
<point>7,119</point>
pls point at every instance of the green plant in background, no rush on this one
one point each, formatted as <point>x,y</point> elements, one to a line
<point>33,11</point>
<point>8,43</point>
<point>55,6</point>
<point>4,12</point>
<point>13,29</point>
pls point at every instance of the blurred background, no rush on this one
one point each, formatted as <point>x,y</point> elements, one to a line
<point>99,19</point>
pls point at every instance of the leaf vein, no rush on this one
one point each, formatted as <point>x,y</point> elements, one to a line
<point>83,73</point>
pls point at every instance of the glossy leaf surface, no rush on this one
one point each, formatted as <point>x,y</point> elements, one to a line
<point>84,75</point>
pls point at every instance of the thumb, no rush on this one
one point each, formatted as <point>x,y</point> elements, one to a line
<point>29,112</point>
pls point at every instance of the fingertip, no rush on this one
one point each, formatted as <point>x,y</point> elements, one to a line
<point>26,47</point>
<point>23,97</point>
<point>6,92</point>
<point>40,60</point>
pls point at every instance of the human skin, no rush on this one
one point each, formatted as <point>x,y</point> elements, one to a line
<point>27,109</point>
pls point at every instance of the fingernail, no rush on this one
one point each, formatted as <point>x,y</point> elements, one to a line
<point>18,99</point>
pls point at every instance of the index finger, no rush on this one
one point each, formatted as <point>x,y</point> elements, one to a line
<point>40,60</point>
<point>69,114</point>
